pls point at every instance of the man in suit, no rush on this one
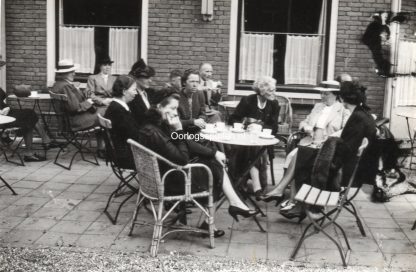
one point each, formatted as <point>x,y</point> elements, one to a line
<point>211,88</point>
<point>142,74</point>
<point>99,86</point>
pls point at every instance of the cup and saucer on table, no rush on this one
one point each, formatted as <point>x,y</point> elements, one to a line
<point>238,128</point>
<point>266,134</point>
<point>209,129</point>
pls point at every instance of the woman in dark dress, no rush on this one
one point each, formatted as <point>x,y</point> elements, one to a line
<point>260,108</point>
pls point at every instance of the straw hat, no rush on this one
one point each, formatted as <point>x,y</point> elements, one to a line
<point>328,86</point>
<point>66,66</point>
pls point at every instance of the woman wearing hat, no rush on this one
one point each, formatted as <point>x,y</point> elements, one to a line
<point>143,74</point>
<point>99,86</point>
<point>82,112</point>
<point>327,117</point>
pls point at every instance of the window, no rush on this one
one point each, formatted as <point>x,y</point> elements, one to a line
<point>93,29</point>
<point>285,39</point>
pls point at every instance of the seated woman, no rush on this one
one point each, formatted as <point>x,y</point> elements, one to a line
<point>156,135</point>
<point>83,113</point>
<point>259,108</point>
<point>360,125</point>
<point>326,118</point>
<point>27,121</point>
<point>99,86</point>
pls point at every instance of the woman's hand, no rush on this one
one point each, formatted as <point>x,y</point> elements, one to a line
<point>220,157</point>
<point>199,123</point>
<point>174,122</point>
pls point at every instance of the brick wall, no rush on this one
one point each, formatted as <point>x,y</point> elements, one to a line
<point>26,43</point>
<point>179,39</point>
<point>353,57</point>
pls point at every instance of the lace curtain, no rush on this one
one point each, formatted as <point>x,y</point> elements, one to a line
<point>406,85</point>
<point>77,43</point>
<point>123,49</point>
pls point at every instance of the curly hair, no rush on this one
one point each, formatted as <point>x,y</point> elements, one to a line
<point>263,82</point>
<point>122,83</point>
<point>353,93</point>
<point>186,75</point>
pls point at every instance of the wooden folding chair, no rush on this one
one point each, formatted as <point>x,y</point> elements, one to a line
<point>124,175</point>
<point>80,139</point>
<point>326,200</point>
<point>152,189</point>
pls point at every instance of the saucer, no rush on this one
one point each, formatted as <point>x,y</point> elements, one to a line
<point>208,131</point>
<point>266,136</point>
<point>237,130</point>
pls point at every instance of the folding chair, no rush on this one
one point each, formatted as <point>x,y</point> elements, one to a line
<point>124,175</point>
<point>7,185</point>
<point>152,188</point>
<point>414,225</point>
<point>13,147</point>
<point>309,195</point>
<point>80,139</point>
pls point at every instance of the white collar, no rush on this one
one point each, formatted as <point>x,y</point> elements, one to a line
<point>261,105</point>
<point>121,102</point>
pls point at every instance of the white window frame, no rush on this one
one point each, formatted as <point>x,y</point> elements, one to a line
<point>233,53</point>
<point>51,37</point>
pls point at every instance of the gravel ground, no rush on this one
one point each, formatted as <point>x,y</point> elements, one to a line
<point>75,259</point>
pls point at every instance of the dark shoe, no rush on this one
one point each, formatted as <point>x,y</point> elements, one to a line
<point>296,212</point>
<point>6,140</point>
<point>259,195</point>
<point>34,158</point>
<point>217,233</point>
<point>53,144</point>
<point>235,211</point>
<point>278,199</point>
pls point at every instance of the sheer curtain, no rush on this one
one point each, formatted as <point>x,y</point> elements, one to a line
<point>302,59</point>
<point>406,85</point>
<point>256,56</point>
<point>77,43</point>
<point>123,49</point>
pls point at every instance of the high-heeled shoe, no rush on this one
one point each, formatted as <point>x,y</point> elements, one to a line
<point>295,212</point>
<point>235,211</point>
<point>270,198</point>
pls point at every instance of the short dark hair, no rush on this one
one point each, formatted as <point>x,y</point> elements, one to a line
<point>175,73</point>
<point>186,75</point>
<point>352,93</point>
<point>122,83</point>
<point>164,96</point>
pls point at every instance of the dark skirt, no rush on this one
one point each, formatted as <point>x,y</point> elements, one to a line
<point>26,119</point>
<point>304,163</point>
<point>175,183</point>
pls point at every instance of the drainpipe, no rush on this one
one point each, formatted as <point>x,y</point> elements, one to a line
<point>391,81</point>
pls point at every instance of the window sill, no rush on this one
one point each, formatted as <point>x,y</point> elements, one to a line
<point>297,92</point>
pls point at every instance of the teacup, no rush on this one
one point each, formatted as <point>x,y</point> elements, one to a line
<point>34,93</point>
<point>210,127</point>
<point>238,126</point>
<point>220,126</point>
<point>267,131</point>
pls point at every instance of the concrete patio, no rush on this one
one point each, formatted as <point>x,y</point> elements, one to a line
<point>59,208</point>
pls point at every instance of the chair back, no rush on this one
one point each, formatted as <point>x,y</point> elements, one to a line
<point>285,114</point>
<point>147,168</point>
<point>59,104</point>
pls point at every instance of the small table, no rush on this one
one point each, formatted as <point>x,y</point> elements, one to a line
<point>7,120</point>
<point>242,139</point>
<point>408,112</point>
<point>36,104</point>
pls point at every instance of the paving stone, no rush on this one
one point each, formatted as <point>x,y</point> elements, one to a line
<point>402,261</point>
<point>248,251</point>
<point>74,195</point>
<point>95,241</point>
<point>20,210</point>
<point>40,177</point>
<point>371,259</point>
<point>105,189</point>
<point>9,222</point>
<point>80,215</point>
<point>323,256</point>
<point>388,234</point>
<point>282,240</point>
<point>363,244</point>
<point>75,227</point>
<point>167,246</point>
<point>381,223</point>
<point>396,246</point>
<point>62,203</point>
<point>248,237</point>
<point>27,200</point>
<point>92,206</point>
<point>44,193</point>
<point>27,184</point>
<point>19,237</point>
<point>104,228</point>
<point>58,239</point>
<point>202,247</point>
<point>64,178</point>
<point>42,224</point>
<point>81,188</point>
<point>280,252</point>
<point>50,213</point>
<point>140,244</point>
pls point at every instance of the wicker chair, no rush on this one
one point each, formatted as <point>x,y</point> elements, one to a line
<point>152,188</point>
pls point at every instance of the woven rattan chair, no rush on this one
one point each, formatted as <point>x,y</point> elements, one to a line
<point>124,175</point>
<point>152,188</point>
<point>80,139</point>
<point>331,204</point>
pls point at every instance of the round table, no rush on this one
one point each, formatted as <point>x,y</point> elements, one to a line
<point>408,112</point>
<point>244,138</point>
<point>6,119</point>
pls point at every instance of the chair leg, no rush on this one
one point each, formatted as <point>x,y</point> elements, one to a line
<point>272,171</point>
<point>357,218</point>
<point>300,242</point>
<point>157,232</point>
<point>211,211</point>
<point>8,185</point>
<point>139,201</point>
<point>414,225</point>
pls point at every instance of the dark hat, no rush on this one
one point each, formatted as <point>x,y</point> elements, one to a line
<point>105,60</point>
<point>140,69</point>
